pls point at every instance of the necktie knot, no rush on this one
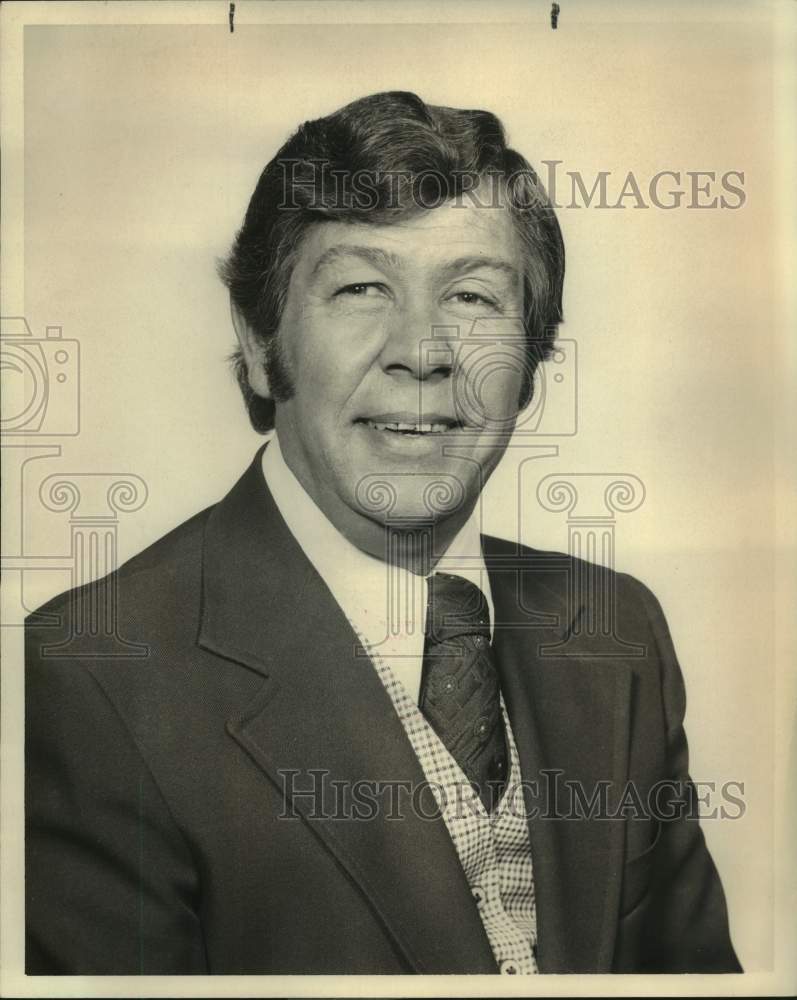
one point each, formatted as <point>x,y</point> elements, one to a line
<point>455,607</point>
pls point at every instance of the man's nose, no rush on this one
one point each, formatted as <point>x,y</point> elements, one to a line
<point>419,344</point>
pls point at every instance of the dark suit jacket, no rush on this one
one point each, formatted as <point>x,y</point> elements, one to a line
<point>159,839</point>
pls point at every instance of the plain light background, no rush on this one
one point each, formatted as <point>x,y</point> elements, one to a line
<point>142,146</point>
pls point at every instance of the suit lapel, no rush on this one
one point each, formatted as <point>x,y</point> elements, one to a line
<point>323,707</point>
<point>570,718</point>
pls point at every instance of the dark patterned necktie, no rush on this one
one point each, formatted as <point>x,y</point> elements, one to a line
<point>459,684</point>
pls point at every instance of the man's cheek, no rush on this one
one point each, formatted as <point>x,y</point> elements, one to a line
<point>340,354</point>
<point>490,396</point>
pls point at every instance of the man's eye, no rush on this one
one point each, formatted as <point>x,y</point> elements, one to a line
<point>473,299</point>
<point>361,290</point>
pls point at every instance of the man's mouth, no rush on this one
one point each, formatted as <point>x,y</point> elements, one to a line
<point>400,428</point>
<point>400,424</point>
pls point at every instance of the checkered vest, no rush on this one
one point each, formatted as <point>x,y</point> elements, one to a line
<point>494,850</point>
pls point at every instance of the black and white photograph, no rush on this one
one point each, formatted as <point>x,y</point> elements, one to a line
<point>398,489</point>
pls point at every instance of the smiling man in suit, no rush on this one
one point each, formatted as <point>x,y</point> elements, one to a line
<point>344,746</point>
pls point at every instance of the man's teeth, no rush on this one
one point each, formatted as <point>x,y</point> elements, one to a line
<point>412,428</point>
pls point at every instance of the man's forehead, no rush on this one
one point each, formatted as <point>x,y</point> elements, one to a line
<point>449,232</point>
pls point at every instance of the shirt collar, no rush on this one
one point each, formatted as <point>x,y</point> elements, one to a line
<point>364,586</point>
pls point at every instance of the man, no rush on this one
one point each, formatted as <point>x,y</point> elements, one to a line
<point>344,747</point>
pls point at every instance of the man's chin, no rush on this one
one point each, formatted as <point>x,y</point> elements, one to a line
<point>389,503</point>
<point>404,482</point>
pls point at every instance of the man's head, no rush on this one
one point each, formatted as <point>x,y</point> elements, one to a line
<point>396,281</point>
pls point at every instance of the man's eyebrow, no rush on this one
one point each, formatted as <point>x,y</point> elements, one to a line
<point>373,255</point>
<point>472,263</point>
<point>386,259</point>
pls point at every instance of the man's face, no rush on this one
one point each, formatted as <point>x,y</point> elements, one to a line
<point>405,346</point>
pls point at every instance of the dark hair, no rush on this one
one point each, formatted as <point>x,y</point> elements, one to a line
<point>374,160</point>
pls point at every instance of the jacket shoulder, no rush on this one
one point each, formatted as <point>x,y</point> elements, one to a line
<point>577,588</point>
<point>514,554</point>
<point>164,574</point>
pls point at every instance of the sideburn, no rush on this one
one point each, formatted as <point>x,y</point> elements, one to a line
<point>280,380</point>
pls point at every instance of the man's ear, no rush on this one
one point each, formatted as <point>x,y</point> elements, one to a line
<point>252,350</point>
